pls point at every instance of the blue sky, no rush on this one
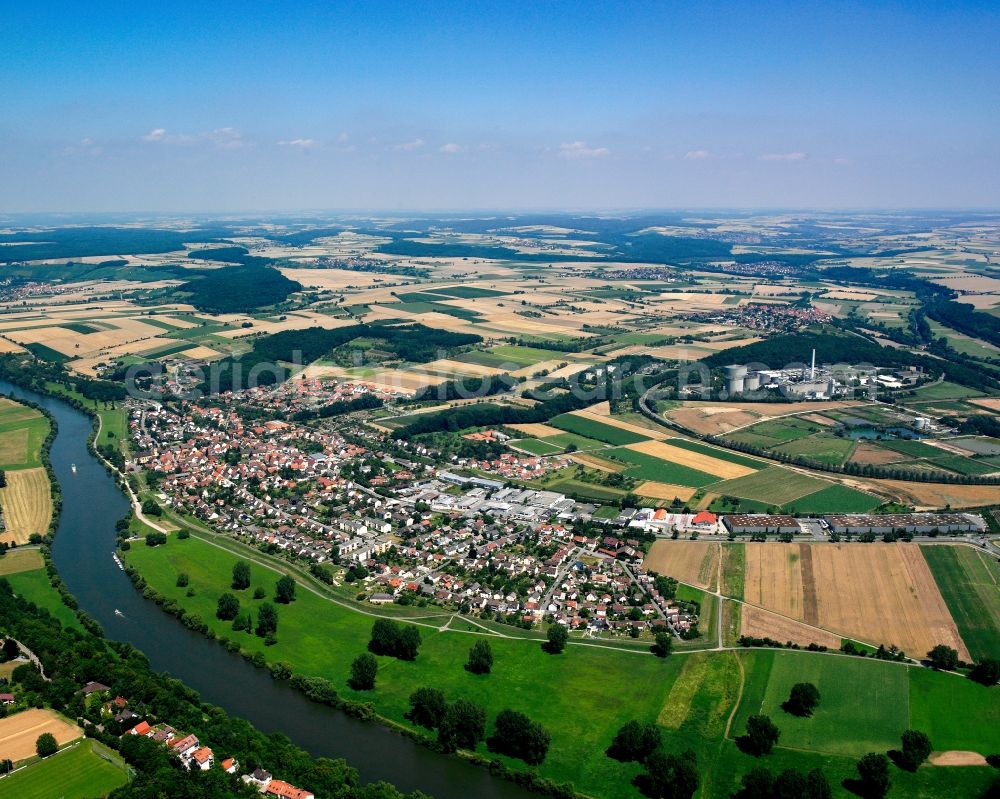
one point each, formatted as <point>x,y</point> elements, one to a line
<point>216,106</point>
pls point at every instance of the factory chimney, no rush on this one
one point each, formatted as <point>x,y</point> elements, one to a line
<point>812,371</point>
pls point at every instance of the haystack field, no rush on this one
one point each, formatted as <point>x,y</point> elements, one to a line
<point>693,562</point>
<point>759,623</point>
<point>693,460</point>
<point>27,504</point>
<point>878,593</point>
<point>19,732</point>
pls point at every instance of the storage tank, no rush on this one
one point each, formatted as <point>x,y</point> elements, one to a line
<point>752,382</point>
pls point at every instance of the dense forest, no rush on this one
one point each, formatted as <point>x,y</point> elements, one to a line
<point>79,242</point>
<point>238,289</point>
<point>72,658</point>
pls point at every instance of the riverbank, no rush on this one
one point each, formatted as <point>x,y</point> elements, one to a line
<point>82,554</point>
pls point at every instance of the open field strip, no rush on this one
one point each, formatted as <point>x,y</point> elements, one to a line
<point>760,623</point>
<point>692,460</point>
<point>656,490</point>
<point>774,485</point>
<point>599,463</point>
<point>614,421</point>
<point>693,562</point>
<point>19,732</point>
<point>535,430</point>
<point>82,771</point>
<point>969,581</point>
<point>27,504</point>
<point>598,428</point>
<point>20,560</point>
<point>773,579</point>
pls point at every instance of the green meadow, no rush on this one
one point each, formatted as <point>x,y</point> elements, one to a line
<point>970,584</point>
<point>585,694</point>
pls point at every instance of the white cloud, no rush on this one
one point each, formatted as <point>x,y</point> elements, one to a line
<point>796,156</point>
<point>697,155</point>
<point>841,161</point>
<point>301,144</point>
<point>343,138</point>
<point>579,149</point>
<point>224,138</point>
<point>451,147</point>
<point>410,146</point>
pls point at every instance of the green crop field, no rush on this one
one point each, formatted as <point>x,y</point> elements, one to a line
<point>957,463</point>
<point>946,390</point>
<point>955,712</point>
<point>526,356</point>
<point>912,447</point>
<point>591,428</point>
<point>835,499</point>
<point>86,771</point>
<point>468,292</point>
<point>773,485</point>
<point>820,448</point>
<point>647,467</point>
<point>970,584</point>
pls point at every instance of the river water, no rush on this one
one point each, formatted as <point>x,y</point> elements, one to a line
<point>82,550</point>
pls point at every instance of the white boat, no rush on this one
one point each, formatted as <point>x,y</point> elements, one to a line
<point>119,613</point>
<point>118,561</point>
<point>72,468</point>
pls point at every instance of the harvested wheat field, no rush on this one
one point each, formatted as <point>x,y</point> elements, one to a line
<point>26,503</point>
<point>693,562</point>
<point>21,560</point>
<point>535,430</point>
<point>760,623</point>
<point>712,421</point>
<point>871,454</point>
<point>655,490</point>
<point>957,757</point>
<point>693,460</point>
<point>598,463</point>
<point>877,593</point>
<point>19,732</point>
<point>932,496</point>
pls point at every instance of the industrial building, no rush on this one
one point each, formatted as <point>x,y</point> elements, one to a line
<point>905,522</point>
<point>760,524</point>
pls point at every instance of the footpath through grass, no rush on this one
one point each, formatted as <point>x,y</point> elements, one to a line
<point>84,771</point>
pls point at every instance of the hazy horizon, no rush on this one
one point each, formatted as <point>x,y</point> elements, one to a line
<point>448,108</point>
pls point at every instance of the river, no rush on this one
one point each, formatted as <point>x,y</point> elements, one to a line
<point>82,550</point>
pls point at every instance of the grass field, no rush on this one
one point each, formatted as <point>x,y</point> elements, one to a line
<point>536,447</point>
<point>20,560</point>
<point>27,504</point>
<point>716,452</point>
<point>820,448</point>
<point>35,587</point>
<point>22,432</point>
<point>775,485</point>
<point>86,771</point>
<point>582,719</point>
<point>835,498</point>
<point>591,428</point>
<point>970,584</point>
<point>774,432</point>
<point>599,689</point>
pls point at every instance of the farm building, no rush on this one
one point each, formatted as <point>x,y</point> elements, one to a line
<point>760,523</point>
<point>905,522</point>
